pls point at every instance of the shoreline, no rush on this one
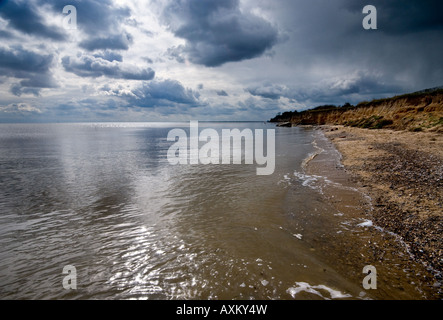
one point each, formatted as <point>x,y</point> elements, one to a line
<point>339,185</point>
<point>402,175</point>
<point>357,239</point>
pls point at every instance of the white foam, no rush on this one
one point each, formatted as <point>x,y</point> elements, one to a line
<point>306,287</point>
<point>366,223</point>
<point>340,214</point>
<point>312,155</point>
<point>317,182</point>
<point>286,180</point>
<point>308,180</point>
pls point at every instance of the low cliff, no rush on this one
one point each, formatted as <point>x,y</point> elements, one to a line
<point>419,111</point>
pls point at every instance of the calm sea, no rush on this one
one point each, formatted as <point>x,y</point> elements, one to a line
<point>103,198</point>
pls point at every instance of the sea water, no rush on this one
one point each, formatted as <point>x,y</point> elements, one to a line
<point>103,198</point>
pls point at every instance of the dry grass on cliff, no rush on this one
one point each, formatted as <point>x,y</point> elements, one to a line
<point>410,112</point>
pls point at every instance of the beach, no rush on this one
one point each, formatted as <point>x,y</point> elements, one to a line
<point>402,173</point>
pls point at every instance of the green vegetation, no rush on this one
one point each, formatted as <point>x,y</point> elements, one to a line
<point>327,107</point>
<point>288,115</point>
<point>431,123</point>
<point>437,122</point>
<point>373,122</point>
<point>284,117</point>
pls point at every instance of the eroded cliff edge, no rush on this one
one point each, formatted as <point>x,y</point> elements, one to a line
<point>419,111</point>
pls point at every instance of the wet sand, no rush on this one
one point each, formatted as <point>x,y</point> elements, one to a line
<point>401,173</point>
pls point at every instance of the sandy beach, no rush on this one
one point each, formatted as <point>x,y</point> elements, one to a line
<point>402,172</point>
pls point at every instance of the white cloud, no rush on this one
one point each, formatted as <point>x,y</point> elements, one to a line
<point>19,108</point>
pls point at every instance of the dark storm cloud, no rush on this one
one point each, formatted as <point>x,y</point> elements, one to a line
<point>360,83</point>
<point>32,67</point>
<point>257,107</point>
<point>114,42</point>
<point>16,61</point>
<point>222,93</point>
<point>18,90</point>
<point>328,41</point>
<point>94,16</point>
<point>270,91</point>
<point>101,21</point>
<point>6,34</point>
<point>109,56</point>
<point>338,90</point>
<point>353,89</point>
<point>160,93</point>
<point>90,66</point>
<point>34,84</point>
<point>23,16</point>
<point>217,32</point>
<point>164,92</point>
<point>40,81</point>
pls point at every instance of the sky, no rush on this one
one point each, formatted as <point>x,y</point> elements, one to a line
<point>180,60</point>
